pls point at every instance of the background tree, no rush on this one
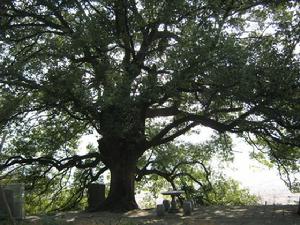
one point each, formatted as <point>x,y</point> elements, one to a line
<point>118,67</point>
<point>196,169</point>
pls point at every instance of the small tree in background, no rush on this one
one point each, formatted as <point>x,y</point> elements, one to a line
<point>196,169</point>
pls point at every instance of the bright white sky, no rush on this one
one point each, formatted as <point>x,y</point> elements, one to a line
<point>259,179</point>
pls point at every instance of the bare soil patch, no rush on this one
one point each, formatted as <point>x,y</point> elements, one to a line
<point>211,215</point>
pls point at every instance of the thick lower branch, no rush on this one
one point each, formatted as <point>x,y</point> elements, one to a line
<point>74,161</point>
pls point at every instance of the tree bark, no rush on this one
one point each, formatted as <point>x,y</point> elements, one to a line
<point>120,156</point>
<point>121,195</point>
<point>121,145</point>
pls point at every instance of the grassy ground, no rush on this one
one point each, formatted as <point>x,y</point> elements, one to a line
<point>217,215</point>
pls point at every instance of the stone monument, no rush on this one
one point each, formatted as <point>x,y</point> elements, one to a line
<point>96,195</point>
<point>14,194</point>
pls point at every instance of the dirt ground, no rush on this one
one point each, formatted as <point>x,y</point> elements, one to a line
<point>212,215</point>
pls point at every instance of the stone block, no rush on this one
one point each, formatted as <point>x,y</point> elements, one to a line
<point>9,198</point>
<point>187,208</point>
<point>96,195</point>
<point>192,204</point>
<point>16,202</point>
<point>160,210</point>
<point>166,204</point>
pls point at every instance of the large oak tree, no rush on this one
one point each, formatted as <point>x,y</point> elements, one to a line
<point>118,67</point>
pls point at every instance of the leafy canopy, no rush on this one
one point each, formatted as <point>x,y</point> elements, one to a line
<point>120,68</point>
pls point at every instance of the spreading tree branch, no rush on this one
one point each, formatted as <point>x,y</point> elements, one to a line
<point>73,161</point>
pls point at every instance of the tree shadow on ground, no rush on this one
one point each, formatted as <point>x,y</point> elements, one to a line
<point>211,215</point>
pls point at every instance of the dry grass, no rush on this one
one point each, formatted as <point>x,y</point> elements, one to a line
<point>217,215</point>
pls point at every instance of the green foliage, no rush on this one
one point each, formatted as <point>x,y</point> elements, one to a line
<point>119,68</point>
<point>285,159</point>
<point>224,191</point>
<point>229,192</point>
<point>260,157</point>
<point>175,165</point>
<point>49,202</point>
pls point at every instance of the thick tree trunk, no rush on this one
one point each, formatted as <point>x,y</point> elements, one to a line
<point>121,145</point>
<point>121,157</point>
<point>121,196</point>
